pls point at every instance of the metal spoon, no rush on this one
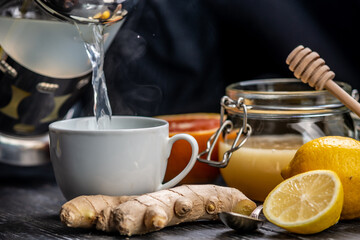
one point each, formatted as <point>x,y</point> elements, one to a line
<point>86,11</point>
<point>240,222</point>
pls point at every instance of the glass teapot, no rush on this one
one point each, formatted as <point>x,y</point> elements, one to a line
<point>44,67</point>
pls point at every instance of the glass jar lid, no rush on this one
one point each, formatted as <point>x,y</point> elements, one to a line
<point>284,97</point>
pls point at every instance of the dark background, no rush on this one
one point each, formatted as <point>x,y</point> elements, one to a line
<point>178,56</point>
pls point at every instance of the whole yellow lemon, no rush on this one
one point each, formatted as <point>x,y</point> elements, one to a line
<point>340,154</point>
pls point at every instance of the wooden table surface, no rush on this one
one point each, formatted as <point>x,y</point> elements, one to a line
<point>30,202</point>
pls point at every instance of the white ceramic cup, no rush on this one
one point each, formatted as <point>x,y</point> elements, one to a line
<point>127,158</point>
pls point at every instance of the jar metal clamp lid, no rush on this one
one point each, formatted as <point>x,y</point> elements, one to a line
<point>268,99</point>
<point>227,126</point>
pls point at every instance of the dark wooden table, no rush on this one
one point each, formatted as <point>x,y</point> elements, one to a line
<point>30,202</point>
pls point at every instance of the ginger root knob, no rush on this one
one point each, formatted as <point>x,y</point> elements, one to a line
<point>155,218</point>
<point>183,206</point>
<point>244,207</point>
<point>211,205</point>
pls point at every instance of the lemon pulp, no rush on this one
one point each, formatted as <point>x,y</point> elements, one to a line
<point>306,203</point>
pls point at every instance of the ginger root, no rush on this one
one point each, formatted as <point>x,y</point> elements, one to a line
<point>153,211</point>
<point>84,211</point>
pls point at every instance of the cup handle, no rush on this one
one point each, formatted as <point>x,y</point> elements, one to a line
<point>195,150</point>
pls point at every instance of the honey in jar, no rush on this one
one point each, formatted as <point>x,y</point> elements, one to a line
<point>255,168</point>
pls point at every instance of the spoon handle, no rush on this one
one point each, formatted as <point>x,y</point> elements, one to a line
<point>256,212</point>
<point>310,68</point>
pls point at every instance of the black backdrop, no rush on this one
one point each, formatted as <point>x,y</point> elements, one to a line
<point>178,56</point>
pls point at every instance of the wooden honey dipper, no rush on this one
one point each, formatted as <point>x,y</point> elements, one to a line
<point>310,68</point>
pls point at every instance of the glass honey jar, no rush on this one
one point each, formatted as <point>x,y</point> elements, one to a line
<point>264,122</point>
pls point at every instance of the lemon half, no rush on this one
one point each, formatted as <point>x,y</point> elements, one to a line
<point>306,203</point>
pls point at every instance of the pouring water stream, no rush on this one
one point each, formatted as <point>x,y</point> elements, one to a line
<point>84,11</point>
<point>95,51</point>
